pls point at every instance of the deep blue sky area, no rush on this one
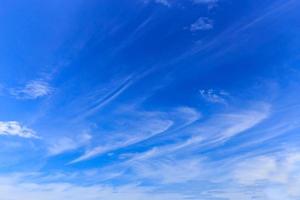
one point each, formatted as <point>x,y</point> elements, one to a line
<point>149,99</point>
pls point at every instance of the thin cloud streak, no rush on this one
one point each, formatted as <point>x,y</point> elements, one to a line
<point>150,129</point>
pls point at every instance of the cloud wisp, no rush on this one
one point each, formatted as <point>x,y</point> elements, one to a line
<point>151,128</point>
<point>14,128</point>
<point>66,144</point>
<point>142,126</point>
<point>214,96</point>
<point>32,90</point>
<point>17,187</point>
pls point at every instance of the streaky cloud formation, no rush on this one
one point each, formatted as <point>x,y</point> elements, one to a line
<point>150,100</point>
<point>65,144</point>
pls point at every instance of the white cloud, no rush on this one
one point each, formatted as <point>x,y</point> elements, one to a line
<point>114,91</point>
<point>16,188</point>
<point>188,115</point>
<point>169,171</point>
<point>275,169</point>
<point>142,126</point>
<point>32,90</point>
<point>238,123</point>
<point>214,96</point>
<point>202,24</point>
<point>145,130</point>
<point>253,170</point>
<point>170,149</point>
<point>65,144</point>
<point>146,125</point>
<point>14,128</point>
<point>274,177</point>
<point>161,163</point>
<point>226,126</point>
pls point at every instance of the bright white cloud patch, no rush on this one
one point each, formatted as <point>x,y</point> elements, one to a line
<point>32,90</point>
<point>202,24</point>
<point>273,177</point>
<point>13,128</point>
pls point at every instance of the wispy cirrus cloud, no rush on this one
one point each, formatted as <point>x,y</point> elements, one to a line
<point>163,163</point>
<point>142,126</point>
<point>15,187</point>
<point>225,126</point>
<point>275,176</point>
<point>263,177</point>
<point>213,132</point>
<point>65,144</point>
<point>188,115</point>
<point>124,85</point>
<point>146,130</point>
<point>269,176</point>
<point>243,121</point>
<point>215,96</point>
<point>32,90</point>
<point>220,128</point>
<point>169,171</point>
<point>14,128</point>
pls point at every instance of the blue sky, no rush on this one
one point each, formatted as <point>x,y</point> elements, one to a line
<point>150,99</point>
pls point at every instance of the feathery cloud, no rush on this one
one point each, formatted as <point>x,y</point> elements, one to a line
<point>168,171</point>
<point>32,90</point>
<point>143,125</point>
<point>223,127</point>
<point>214,96</point>
<point>146,130</point>
<point>270,177</point>
<point>17,187</point>
<point>66,144</point>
